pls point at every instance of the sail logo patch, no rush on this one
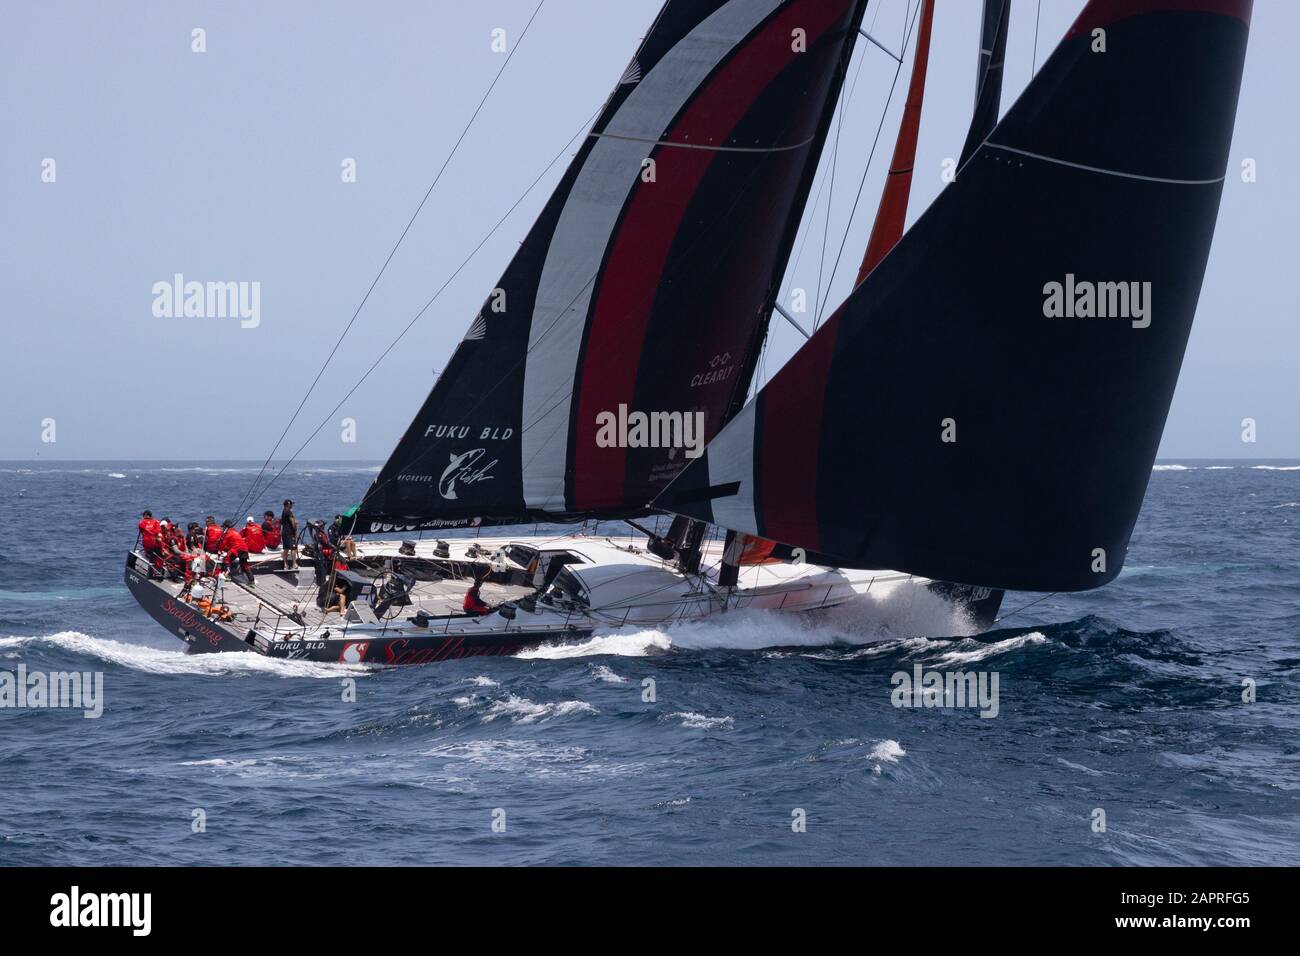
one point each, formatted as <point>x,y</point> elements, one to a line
<point>354,653</point>
<point>466,469</point>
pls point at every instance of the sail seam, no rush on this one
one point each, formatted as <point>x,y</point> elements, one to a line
<point>716,149</point>
<point>1104,170</point>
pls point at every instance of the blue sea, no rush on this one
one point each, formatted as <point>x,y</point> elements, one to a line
<point>766,740</point>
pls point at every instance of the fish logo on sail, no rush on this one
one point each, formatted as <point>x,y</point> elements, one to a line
<point>477,329</point>
<point>466,469</point>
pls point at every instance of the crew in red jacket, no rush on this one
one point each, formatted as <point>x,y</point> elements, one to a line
<point>232,542</point>
<point>254,540</point>
<point>151,539</point>
<point>212,535</point>
<point>474,603</point>
<point>271,531</point>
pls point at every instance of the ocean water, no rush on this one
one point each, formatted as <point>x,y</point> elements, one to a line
<point>1125,701</point>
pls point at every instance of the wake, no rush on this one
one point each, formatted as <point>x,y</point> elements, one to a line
<point>901,614</point>
<point>151,660</point>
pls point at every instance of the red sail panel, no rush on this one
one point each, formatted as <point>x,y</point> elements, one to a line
<point>892,214</point>
<point>636,263</point>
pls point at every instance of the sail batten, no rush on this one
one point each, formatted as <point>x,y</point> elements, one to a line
<point>645,282</point>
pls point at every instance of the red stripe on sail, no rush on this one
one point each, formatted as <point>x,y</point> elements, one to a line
<point>786,451</point>
<point>651,222</point>
<point>1103,13</point>
<point>892,214</point>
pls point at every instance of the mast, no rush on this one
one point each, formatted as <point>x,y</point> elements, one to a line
<point>988,75</point>
<point>892,213</point>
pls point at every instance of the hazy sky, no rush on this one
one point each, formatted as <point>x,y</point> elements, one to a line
<point>226,165</point>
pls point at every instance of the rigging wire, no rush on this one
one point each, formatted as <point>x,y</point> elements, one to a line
<point>870,156</point>
<point>442,288</point>
<point>1025,607</point>
<point>251,493</point>
<point>1037,16</point>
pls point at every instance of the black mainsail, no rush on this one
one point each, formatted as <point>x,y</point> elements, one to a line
<point>986,406</point>
<point>646,284</point>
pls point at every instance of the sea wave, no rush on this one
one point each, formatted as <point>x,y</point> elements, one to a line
<point>982,652</point>
<point>694,721</point>
<point>151,660</point>
<point>521,710</point>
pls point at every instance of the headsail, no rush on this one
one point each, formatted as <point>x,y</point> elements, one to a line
<point>646,284</point>
<point>968,414</point>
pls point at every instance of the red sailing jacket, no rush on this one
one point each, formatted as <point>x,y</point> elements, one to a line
<point>150,530</point>
<point>233,542</point>
<point>474,604</point>
<point>271,531</point>
<point>212,538</point>
<point>254,538</point>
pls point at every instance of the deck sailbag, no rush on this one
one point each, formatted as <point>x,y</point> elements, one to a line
<point>644,288</point>
<point>986,406</point>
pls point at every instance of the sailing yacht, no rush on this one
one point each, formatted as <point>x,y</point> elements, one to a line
<point>939,432</point>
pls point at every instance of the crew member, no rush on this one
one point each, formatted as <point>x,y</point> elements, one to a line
<point>254,540</point>
<point>232,542</point>
<point>340,598</point>
<point>474,603</point>
<point>289,535</point>
<point>271,531</point>
<point>211,535</point>
<point>151,539</point>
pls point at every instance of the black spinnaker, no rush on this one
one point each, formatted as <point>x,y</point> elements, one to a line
<point>968,414</point>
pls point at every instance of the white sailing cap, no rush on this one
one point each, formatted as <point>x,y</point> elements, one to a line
<point>250,520</point>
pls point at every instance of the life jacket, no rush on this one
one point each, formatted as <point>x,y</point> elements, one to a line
<point>271,530</point>
<point>150,531</point>
<point>254,538</point>
<point>233,542</point>
<point>212,538</point>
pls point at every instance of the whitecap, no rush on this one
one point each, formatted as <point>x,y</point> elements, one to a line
<point>696,721</point>
<point>521,710</point>
<point>887,751</point>
<point>985,651</point>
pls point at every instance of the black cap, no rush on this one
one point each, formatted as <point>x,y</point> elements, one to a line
<point>147,513</point>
